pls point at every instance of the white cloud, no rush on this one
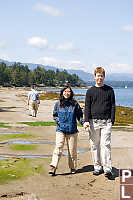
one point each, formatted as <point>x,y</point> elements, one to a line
<point>128,28</point>
<point>48,61</point>
<point>48,9</point>
<point>79,65</point>
<point>41,43</point>
<point>65,47</point>
<point>59,63</point>
<point>90,68</point>
<point>37,42</point>
<point>5,57</point>
<point>121,68</point>
<point>111,68</point>
<point>75,64</point>
<point>2,44</point>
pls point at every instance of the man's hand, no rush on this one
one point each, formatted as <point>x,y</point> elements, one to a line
<point>86,125</point>
<point>38,101</point>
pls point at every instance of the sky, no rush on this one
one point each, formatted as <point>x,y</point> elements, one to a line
<point>70,34</point>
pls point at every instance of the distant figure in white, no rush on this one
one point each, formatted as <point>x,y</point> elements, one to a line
<point>33,101</point>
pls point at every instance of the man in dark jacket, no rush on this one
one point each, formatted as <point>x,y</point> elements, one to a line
<point>99,117</point>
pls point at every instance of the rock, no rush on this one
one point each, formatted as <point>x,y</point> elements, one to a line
<point>123,112</point>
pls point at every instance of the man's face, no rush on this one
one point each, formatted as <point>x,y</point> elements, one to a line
<point>99,77</point>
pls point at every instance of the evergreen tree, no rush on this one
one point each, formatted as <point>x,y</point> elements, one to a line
<point>20,75</point>
<point>4,76</point>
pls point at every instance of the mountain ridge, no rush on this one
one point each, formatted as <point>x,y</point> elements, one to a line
<point>85,76</point>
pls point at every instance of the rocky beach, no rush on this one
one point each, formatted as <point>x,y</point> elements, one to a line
<point>83,185</point>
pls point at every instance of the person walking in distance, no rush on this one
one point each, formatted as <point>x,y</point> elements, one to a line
<point>66,113</point>
<point>33,101</point>
<point>99,117</point>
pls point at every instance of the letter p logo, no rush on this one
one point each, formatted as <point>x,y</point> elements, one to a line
<point>126,174</point>
<point>126,184</point>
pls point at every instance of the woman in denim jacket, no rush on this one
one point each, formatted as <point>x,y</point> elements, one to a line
<point>66,112</point>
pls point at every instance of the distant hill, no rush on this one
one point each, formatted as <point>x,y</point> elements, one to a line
<point>82,74</point>
<point>120,77</point>
<point>6,62</point>
<point>31,66</point>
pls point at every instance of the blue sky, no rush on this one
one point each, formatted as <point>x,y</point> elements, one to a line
<point>76,34</point>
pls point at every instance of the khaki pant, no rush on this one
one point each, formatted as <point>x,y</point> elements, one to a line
<point>100,140</point>
<point>71,141</point>
<point>33,107</point>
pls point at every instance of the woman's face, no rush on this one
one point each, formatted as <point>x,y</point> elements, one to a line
<point>67,93</point>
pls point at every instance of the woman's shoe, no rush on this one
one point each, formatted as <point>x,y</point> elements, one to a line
<point>52,171</point>
<point>73,171</point>
<point>97,172</point>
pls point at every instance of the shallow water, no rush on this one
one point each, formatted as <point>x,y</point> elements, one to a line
<point>4,158</point>
<point>35,156</point>
<point>8,133</point>
<point>80,151</point>
<point>27,142</point>
<point>124,96</point>
<point>84,140</point>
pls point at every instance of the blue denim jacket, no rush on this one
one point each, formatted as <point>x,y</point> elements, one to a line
<point>66,117</point>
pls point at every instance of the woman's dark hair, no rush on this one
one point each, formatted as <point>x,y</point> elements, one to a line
<point>70,99</point>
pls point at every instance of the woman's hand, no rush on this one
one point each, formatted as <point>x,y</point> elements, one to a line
<point>86,125</point>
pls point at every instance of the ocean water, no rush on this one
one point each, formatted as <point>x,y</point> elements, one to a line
<point>124,96</point>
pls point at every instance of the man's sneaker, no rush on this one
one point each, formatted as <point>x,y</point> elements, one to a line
<point>97,172</point>
<point>108,174</point>
<point>73,171</point>
<point>52,171</point>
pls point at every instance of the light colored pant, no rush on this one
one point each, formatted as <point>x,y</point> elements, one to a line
<point>100,140</point>
<point>33,107</point>
<point>71,141</point>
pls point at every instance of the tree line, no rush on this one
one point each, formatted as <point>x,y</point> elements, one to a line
<point>20,75</point>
